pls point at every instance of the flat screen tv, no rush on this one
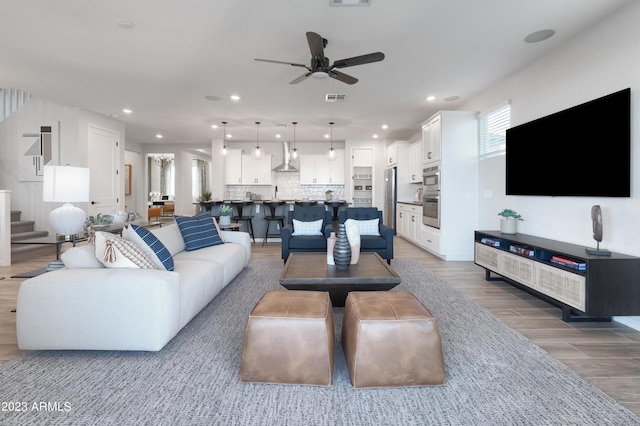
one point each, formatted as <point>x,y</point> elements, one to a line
<point>582,151</point>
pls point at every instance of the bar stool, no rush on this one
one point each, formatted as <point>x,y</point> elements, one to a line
<point>271,215</point>
<point>335,205</point>
<point>241,217</point>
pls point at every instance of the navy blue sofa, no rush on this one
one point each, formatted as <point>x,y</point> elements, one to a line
<point>382,244</point>
<point>306,243</point>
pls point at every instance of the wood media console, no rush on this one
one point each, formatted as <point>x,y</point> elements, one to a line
<point>586,287</point>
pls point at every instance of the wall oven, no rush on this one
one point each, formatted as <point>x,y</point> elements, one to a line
<point>431,196</point>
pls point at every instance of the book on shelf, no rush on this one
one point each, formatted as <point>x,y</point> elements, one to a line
<point>522,251</point>
<point>580,266</point>
<point>490,242</point>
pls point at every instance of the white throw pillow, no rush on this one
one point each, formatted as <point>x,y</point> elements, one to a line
<point>81,258</point>
<point>307,228</point>
<point>369,227</point>
<point>353,235</point>
<point>116,252</point>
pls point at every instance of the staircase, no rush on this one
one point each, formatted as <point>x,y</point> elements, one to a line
<point>23,230</point>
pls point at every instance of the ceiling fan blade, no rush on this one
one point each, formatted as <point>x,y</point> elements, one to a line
<point>359,60</point>
<point>342,77</point>
<point>281,62</point>
<point>301,78</point>
<point>316,44</point>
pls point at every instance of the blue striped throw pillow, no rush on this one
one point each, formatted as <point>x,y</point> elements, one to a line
<point>198,231</point>
<point>156,245</point>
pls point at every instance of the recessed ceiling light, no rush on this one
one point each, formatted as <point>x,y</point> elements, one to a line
<point>431,98</point>
<point>375,136</point>
<point>213,98</point>
<point>234,97</point>
<point>278,136</point>
<point>539,36</point>
<point>451,98</point>
<point>159,136</point>
<point>327,136</point>
<point>229,135</point>
<point>214,126</point>
<point>114,115</point>
<point>385,127</point>
<point>127,111</point>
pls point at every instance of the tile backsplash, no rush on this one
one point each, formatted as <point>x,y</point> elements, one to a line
<point>289,188</point>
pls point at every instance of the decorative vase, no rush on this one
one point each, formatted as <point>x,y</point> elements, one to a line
<point>342,249</point>
<point>331,243</point>
<point>508,226</point>
<point>225,220</point>
<point>328,196</point>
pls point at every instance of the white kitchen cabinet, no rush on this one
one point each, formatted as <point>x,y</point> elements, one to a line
<point>318,170</point>
<point>362,157</point>
<point>432,139</point>
<point>392,155</point>
<point>233,167</point>
<point>415,162</point>
<point>409,221</point>
<point>243,169</point>
<point>256,172</point>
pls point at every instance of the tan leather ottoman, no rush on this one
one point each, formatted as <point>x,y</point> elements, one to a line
<point>391,339</point>
<point>289,339</point>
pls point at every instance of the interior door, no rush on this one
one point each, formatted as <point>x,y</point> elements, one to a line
<point>104,163</point>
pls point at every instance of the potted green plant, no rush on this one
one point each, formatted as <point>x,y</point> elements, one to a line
<point>509,221</point>
<point>225,214</point>
<point>206,196</point>
<point>328,194</point>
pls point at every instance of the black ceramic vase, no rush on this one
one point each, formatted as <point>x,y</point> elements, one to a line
<point>342,249</point>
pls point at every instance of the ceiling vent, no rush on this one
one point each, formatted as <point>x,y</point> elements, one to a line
<point>334,98</point>
<point>350,2</point>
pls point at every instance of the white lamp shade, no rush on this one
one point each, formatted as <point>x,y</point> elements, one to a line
<point>65,184</point>
<point>67,220</point>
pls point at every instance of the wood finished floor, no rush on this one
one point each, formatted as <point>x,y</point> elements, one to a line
<point>606,354</point>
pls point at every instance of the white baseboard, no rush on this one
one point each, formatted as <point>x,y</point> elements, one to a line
<point>633,322</point>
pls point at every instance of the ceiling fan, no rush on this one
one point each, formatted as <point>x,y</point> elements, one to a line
<point>320,64</point>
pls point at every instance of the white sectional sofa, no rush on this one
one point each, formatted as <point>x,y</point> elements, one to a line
<point>127,309</point>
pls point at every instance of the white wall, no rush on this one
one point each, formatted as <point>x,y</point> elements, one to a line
<point>73,136</point>
<point>599,62</point>
<point>596,63</point>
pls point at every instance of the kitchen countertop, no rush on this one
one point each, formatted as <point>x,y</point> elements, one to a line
<point>268,201</point>
<point>413,203</point>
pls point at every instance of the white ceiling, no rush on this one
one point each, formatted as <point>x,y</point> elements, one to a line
<point>73,52</point>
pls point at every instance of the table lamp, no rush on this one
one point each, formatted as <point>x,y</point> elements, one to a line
<point>66,184</point>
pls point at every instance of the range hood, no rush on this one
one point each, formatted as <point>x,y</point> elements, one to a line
<point>286,165</point>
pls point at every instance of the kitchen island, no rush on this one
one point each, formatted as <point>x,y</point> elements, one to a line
<point>257,211</point>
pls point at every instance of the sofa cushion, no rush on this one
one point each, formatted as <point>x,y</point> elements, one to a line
<point>307,228</point>
<point>171,237</point>
<point>116,252</point>
<point>81,257</point>
<point>198,231</point>
<point>369,227</point>
<point>150,244</point>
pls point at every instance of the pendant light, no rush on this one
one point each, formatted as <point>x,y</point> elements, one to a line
<point>294,151</point>
<point>257,153</point>
<point>332,152</point>
<point>223,151</point>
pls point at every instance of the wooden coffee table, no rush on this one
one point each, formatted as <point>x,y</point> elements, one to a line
<point>309,271</point>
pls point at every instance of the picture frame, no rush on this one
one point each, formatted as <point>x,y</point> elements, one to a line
<point>127,179</point>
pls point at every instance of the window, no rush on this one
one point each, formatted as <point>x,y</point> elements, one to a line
<point>492,129</point>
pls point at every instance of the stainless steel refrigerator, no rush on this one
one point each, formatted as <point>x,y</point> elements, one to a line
<point>390,194</point>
